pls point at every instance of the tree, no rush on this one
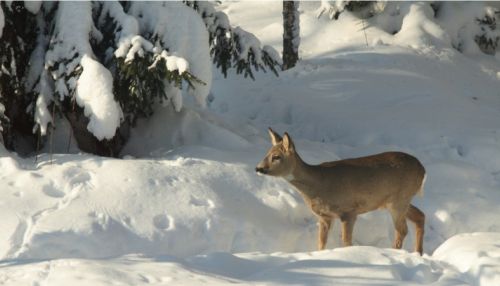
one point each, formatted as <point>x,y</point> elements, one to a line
<point>291,33</point>
<point>103,65</point>
<point>234,47</point>
<point>17,40</point>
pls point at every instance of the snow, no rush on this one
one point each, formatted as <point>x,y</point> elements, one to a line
<point>137,46</point>
<point>184,205</point>
<point>476,254</point>
<point>94,93</point>
<point>33,6</point>
<point>129,28</point>
<point>418,29</point>
<point>42,114</point>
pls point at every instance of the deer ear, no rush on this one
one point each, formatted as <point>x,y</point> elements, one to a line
<point>275,138</point>
<point>288,143</point>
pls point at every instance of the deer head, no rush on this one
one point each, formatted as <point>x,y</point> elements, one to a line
<point>280,159</point>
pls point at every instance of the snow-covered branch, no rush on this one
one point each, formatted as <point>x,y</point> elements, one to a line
<point>234,47</point>
<point>72,65</point>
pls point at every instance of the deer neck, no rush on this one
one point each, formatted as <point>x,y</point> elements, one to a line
<point>302,176</point>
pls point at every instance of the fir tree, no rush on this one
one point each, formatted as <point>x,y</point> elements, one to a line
<point>101,66</point>
<point>234,47</point>
<point>16,45</point>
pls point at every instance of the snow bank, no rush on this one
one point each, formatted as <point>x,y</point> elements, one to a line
<point>86,207</point>
<point>356,265</point>
<point>476,254</point>
<point>419,29</point>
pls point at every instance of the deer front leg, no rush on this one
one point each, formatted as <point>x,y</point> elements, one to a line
<point>323,228</point>
<point>348,221</point>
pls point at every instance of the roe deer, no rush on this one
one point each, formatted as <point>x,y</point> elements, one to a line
<point>345,188</point>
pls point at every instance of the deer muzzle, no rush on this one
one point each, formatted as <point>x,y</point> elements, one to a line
<point>261,170</point>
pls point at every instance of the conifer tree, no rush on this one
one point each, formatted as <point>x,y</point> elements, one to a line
<point>234,47</point>
<point>101,66</point>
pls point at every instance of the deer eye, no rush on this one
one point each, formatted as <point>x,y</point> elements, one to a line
<point>275,158</point>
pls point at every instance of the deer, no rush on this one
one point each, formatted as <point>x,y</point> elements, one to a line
<point>346,188</point>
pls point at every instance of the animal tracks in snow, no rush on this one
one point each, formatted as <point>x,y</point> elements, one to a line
<point>52,191</point>
<point>201,202</point>
<point>77,180</point>
<point>164,222</point>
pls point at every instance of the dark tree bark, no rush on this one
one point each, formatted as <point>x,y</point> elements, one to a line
<point>291,34</point>
<point>87,142</point>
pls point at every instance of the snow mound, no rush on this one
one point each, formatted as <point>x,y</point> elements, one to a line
<point>475,254</point>
<point>357,265</point>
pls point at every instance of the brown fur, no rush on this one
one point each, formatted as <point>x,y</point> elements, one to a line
<point>346,188</point>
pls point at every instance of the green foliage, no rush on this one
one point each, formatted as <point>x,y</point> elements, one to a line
<point>245,65</point>
<point>140,84</point>
<point>226,44</point>
<point>489,37</point>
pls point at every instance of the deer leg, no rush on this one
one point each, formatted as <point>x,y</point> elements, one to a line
<point>418,218</point>
<point>399,219</point>
<point>323,228</point>
<point>348,221</point>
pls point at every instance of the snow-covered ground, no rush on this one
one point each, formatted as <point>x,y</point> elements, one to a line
<point>185,207</point>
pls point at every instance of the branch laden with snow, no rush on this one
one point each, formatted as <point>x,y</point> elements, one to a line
<point>144,73</point>
<point>101,60</point>
<point>234,47</point>
<point>72,65</point>
<point>105,64</point>
<point>333,9</point>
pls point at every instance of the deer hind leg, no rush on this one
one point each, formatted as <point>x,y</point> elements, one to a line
<point>399,220</point>
<point>418,218</point>
<point>323,228</point>
<point>347,228</point>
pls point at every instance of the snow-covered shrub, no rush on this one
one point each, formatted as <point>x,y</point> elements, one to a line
<point>65,58</point>
<point>103,65</point>
<point>487,39</point>
<point>334,8</point>
<point>469,27</point>
<point>472,26</point>
<point>143,72</point>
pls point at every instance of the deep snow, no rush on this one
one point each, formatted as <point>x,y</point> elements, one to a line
<point>185,207</point>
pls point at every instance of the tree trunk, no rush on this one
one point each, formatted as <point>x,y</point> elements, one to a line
<point>291,34</point>
<point>87,142</point>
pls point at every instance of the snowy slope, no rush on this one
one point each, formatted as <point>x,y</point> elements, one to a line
<point>185,207</point>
